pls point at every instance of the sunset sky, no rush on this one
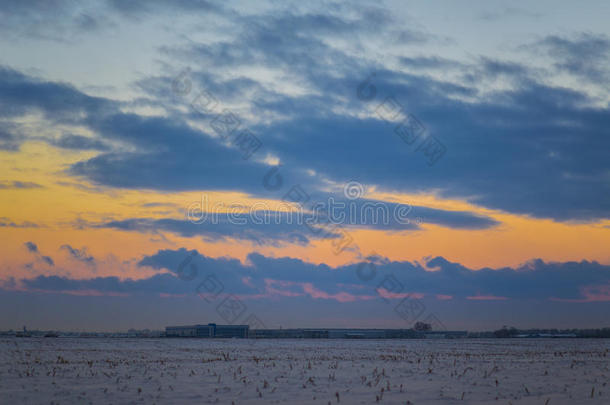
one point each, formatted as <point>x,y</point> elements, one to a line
<point>125,125</point>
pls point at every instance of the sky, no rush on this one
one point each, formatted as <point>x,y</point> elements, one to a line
<point>304,164</point>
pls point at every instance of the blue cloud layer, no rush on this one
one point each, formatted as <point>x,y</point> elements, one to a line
<point>529,147</point>
<point>266,277</point>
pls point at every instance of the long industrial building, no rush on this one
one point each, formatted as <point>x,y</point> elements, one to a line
<point>352,334</point>
<point>211,330</point>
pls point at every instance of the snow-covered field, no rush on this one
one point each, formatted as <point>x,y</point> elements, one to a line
<point>175,371</point>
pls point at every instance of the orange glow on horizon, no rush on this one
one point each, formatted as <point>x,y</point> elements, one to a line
<point>67,211</point>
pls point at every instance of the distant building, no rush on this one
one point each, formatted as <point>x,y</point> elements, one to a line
<point>333,333</point>
<point>231,331</point>
<point>445,334</point>
<point>210,330</point>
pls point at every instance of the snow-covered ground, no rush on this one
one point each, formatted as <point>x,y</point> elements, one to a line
<point>175,371</point>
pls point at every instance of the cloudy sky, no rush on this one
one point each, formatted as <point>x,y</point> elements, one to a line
<point>167,162</point>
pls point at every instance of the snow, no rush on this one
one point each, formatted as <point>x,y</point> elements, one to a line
<point>226,371</point>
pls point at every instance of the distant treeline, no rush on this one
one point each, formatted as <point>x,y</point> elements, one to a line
<point>511,332</point>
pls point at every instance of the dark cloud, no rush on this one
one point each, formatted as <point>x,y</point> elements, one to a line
<point>50,20</point>
<point>7,223</point>
<point>320,220</point>
<point>9,138</point>
<point>47,260</point>
<point>59,102</point>
<point>79,142</point>
<point>81,255</point>
<point>87,188</point>
<point>170,156</point>
<point>32,247</point>
<point>67,20</point>
<point>159,283</point>
<point>158,204</point>
<point>585,55</point>
<point>18,185</point>
<point>272,277</point>
<point>453,219</point>
<point>501,154</point>
<point>240,227</point>
<point>494,68</point>
<point>429,62</point>
<point>298,45</point>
